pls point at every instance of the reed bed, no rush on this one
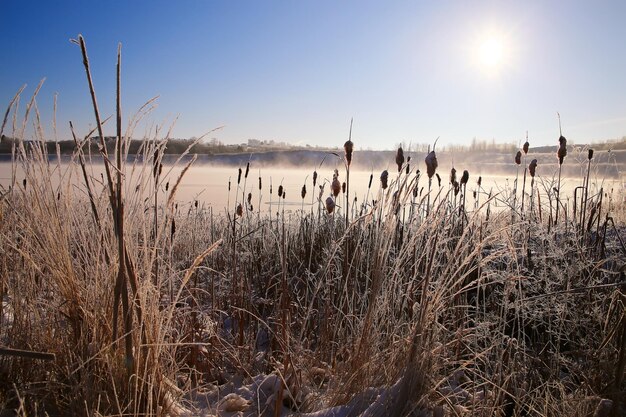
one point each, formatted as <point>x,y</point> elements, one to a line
<point>414,299</point>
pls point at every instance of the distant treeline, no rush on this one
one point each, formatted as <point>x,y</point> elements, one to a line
<point>215,147</point>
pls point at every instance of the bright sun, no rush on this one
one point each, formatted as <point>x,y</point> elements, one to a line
<point>491,53</point>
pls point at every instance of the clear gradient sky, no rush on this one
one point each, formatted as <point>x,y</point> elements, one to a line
<point>297,71</point>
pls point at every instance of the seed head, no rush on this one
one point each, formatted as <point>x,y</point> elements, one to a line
<point>532,167</point>
<point>525,147</point>
<point>465,177</point>
<point>562,152</point>
<point>330,205</point>
<point>280,191</point>
<point>452,176</point>
<point>370,183</point>
<point>518,157</point>
<point>431,164</point>
<point>335,187</point>
<point>247,170</point>
<point>438,179</point>
<point>590,154</point>
<point>383,179</point>
<point>249,198</point>
<point>480,180</point>
<point>343,187</point>
<point>348,147</point>
<point>314,178</point>
<point>303,192</point>
<point>239,210</point>
<point>239,177</point>
<point>260,183</point>
<point>400,158</point>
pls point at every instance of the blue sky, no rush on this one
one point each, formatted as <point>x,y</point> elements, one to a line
<point>297,71</point>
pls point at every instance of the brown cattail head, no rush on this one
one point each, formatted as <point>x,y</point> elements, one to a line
<point>590,154</point>
<point>239,177</point>
<point>348,147</point>
<point>370,183</point>
<point>330,205</point>
<point>518,157</point>
<point>562,152</point>
<point>195,203</point>
<point>532,167</point>
<point>383,179</point>
<point>400,158</point>
<point>280,191</point>
<point>260,183</point>
<point>456,186</point>
<point>303,192</point>
<point>167,185</point>
<point>431,164</point>
<point>480,180</point>
<point>247,170</point>
<point>438,179</point>
<point>239,210</point>
<point>249,198</point>
<point>525,147</point>
<point>173,229</point>
<point>343,187</point>
<point>335,187</point>
<point>465,177</point>
<point>452,175</point>
<point>314,178</point>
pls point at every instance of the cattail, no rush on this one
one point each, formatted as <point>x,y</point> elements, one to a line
<point>370,183</point>
<point>270,187</point>
<point>24,182</point>
<point>330,205</point>
<point>431,164</point>
<point>408,159</point>
<point>347,147</point>
<point>452,176</point>
<point>415,189</point>
<point>400,158</point>
<point>525,147</point>
<point>562,152</point>
<point>249,198</point>
<point>319,197</point>
<point>260,183</point>
<point>247,170</point>
<point>195,204</point>
<point>303,192</point>
<point>518,157</point>
<point>335,187</point>
<point>456,186</point>
<point>590,154</point>
<point>239,210</point>
<point>438,179</point>
<point>464,177</point>
<point>239,177</point>
<point>173,229</point>
<point>480,180</point>
<point>167,185</point>
<point>314,178</point>
<point>280,191</point>
<point>383,179</point>
<point>343,187</point>
<point>532,167</point>
<point>284,194</point>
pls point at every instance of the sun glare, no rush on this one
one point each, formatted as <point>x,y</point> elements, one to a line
<point>491,53</point>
